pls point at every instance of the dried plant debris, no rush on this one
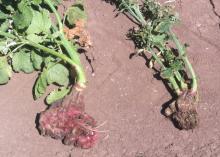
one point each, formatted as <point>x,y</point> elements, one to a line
<point>76,18</point>
<point>79,34</point>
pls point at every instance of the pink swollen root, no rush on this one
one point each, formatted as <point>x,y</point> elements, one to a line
<point>69,124</point>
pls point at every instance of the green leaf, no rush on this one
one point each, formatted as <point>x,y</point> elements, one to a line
<point>22,19</point>
<point>36,2</point>
<point>40,23</point>
<point>56,2</point>
<point>177,65</point>
<point>58,74</point>
<point>57,95</point>
<point>35,38</point>
<point>3,16</point>
<point>40,85</point>
<point>2,46</point>
<point>166,74</point>
<point>163,26</point>
<point>5,70</point>
<point>48,60</point>
<point>54,73</point>
<point>158,39</point>
<point>21,61</point>
<point>37,60</point>
<point>75,13</point>
<point>8,4</point>
<point>4,26</point>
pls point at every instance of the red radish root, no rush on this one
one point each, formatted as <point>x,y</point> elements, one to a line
<point>70,124</point>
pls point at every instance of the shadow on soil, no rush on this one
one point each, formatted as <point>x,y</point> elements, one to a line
<point>37,122</point>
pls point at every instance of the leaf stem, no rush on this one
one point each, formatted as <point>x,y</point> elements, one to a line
<point>182,54</point>
<point>71,50</point>
<point>81,80</point>
<point>50,4</point>
<point>178,76</point>
<point>171,79</point>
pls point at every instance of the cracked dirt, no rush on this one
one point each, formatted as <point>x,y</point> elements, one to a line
<point>125,94</point>
<point>214,9</point>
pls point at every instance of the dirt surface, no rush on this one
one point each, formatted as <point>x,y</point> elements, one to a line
<point>124,94</point>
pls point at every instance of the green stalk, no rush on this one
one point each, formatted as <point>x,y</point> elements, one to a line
<point>172,80</point>
<point>71,50</point>
<point>81,80</point>
<point>50,4</point>
<point>182,54</point>
<point>175,85</point>
<point>50,51</point>
<point>178,76</point>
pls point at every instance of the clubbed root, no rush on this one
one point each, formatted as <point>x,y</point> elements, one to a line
<point>185,120</point>
<point>183,112</point>
<point>69,123</point>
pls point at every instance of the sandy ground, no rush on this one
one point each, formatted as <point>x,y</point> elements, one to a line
<point>125,94</point>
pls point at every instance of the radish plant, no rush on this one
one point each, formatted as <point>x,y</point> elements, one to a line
<point>155,37</point>
<point>31,41</point>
